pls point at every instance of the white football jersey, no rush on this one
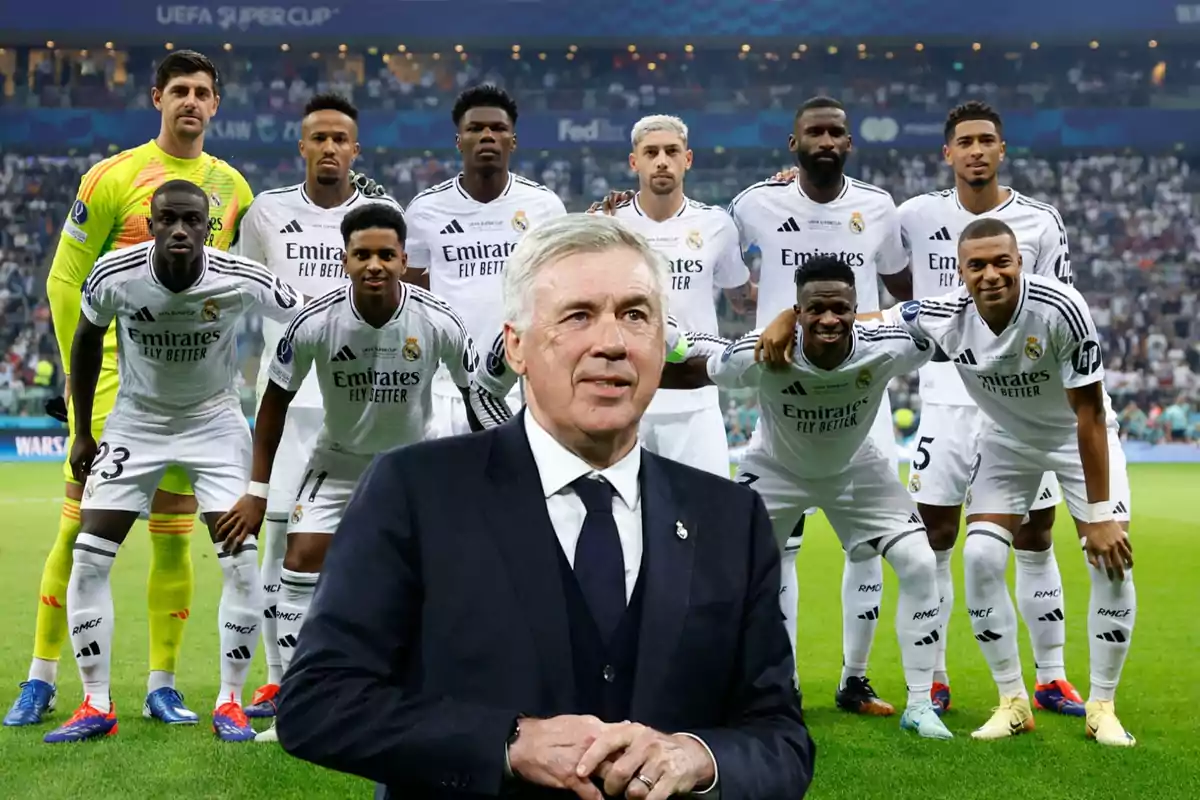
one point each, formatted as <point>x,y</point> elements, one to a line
<point>375,382</point>
<point>783,227</point>
<point>301,242</point>
<point>1018,378</point>
<point>812,421</point>
<point>177,351</point>
<point>465,244</point>
<point>930,225</point>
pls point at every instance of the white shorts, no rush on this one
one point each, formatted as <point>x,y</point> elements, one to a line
<point>864,503</point>
<point>944,449</point>
<point>300,432</point>
<point>328,482</point>
<point>449,417</point>
<point>883,435</point>
<point>135,451</point>
<point>696,438</point>
<point>1008,475</point>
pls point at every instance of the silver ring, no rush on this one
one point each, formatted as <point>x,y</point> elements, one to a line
<point>649,783</point>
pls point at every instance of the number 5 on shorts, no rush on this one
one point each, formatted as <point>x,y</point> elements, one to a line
<point>924,461</point>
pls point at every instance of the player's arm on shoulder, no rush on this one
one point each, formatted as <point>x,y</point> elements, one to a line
<point>490,385</point>
<point>276,299</point>
<point>735,367</point>
<point>892,258</point>
<point>98,308</point>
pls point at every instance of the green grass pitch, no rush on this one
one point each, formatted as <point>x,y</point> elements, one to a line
<point>858,758</point>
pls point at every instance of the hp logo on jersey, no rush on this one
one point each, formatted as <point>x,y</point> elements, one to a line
<point>284,295</point>
<point>1087,358</point>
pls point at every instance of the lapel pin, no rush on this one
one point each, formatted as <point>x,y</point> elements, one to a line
<point>680,531</point>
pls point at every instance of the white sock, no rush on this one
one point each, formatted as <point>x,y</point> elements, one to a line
<point>274,548</point>
<point>160,680</point>
<point>1040,600</point>
<point>238,616</point>
<point>862,590</point>
<point>993,618</point>
<point>90,615</point>
<point>918,617</point>
<point>1112,609</point>
<point>945,587</point>
<point>42,669</point>
<point>294,599</point>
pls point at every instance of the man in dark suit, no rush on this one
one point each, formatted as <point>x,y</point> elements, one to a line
<point>496,608</point>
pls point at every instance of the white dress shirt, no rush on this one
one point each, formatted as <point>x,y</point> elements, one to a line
<point>558,467</point>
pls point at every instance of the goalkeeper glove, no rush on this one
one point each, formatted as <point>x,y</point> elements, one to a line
<point>367,186</point>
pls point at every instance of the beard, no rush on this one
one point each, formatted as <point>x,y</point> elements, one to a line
<point>328,180</point>
<point>822,171</point>
<point>661,186</point>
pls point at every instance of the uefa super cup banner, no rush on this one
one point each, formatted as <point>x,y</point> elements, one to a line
<point>385,23</point>
<point>236,132</point>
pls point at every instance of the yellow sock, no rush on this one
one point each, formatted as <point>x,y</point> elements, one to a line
<point>52,607</point>
<point>169,587</point>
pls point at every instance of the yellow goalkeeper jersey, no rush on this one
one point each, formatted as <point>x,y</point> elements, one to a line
<point>112,211</point>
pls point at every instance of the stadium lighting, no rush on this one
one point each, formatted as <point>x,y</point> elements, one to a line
<point>570,56</point>
<point>108,45</point>
<point>227,47</point>
<point>50,44</point>
<point>168,45</point>
<point>636,57</point>
<point>687,48</point>
<point>463,56</point>
<point>516,48</point>
<point>889,55</point>
<point>919,47</point>
<point>458,48</point>
<point>516,56</point>
<point>342,48</point>
<point>372,51</point>
<point>1093,44</point>
<point>745,48</point>
<point>862,48</point>
<point>285,47</point>
<point>315,56</point>
<point>574,48</point>
<point>652,66</point>
<point>632,48</point>
<point>803,48</point>
<point>1153,43</point>
<point>832,50</point>
<point>796,56</point>
<point>437,56</point>
<point>401,48</point>
<point>541,56</point>
<point>1034,45</point>
<point>976,47</point>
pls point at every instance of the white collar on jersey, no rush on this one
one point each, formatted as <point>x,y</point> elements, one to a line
<point>802,360</point>
<point>637,206</point>
<point>354,309</point>
<point>154,275</point>
<point>351,200</point>
<point>467,196</point>
<point>840,195</point>
<point>1012,196</point>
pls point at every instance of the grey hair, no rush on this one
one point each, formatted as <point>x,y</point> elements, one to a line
<point>565,236</point>
<point>658,122</point>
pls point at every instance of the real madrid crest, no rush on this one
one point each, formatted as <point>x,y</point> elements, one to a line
<point>914,483</point>
<point>520,222</point>
<point>412,350</point>
<point>214,199</point>
<point>210,312</point>
<point>297,514</point>
<point>695,240</point>
<point>863,380</point>
<point>857,225</point>
<point>1033,348</point>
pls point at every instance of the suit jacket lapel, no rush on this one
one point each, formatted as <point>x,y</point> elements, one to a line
<point>668,578</point>
<point>525,537</point>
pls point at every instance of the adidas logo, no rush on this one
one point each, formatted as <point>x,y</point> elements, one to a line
<point>873,614</point>
<point>271,612</point>
<point>1120,508</point>
<point>1117,637</point>
<point>966,357</point>
<point>345,354</point>
<point>143,315</point>
<point>930,639</point>
<point>915,519</point>
<point>287,641</point>
<point>988,636</point>
<point>91,649</point>
<point>1054,616</point>
<point>795,389</point>
<point>292,227</point>
<point>453,227</point>
<point>941,235</point>
<point>789,226</point>
<point>1046,495</point>
<point>241,653</point>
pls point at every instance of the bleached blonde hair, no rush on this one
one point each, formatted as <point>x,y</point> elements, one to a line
<point>655,123</point>
<point>554,240</point>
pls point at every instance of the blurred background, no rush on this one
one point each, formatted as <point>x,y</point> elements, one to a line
<point>1101,103</point>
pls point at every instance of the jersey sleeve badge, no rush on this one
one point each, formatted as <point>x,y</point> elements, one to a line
<point>1087,357</point>
<point>910,310</point>
<point>79,212</point>
<point>412,350</point>
<point>857,224</point>
<point>283,351</point>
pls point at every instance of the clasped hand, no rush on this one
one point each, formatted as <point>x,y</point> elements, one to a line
<point>627,758</point>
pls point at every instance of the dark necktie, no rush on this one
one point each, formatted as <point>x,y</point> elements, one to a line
<point>599,563</point>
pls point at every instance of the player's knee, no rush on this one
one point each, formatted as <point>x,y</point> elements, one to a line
<point>1038,532</point>
<point>913,560</point>
<point>171,503</point>
<point>985,553</point>
<point>306,552</point>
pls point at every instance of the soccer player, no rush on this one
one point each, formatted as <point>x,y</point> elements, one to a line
<point>461,232</point>
<point>111,213</point>
<point>950,419</point>
<point>374,346</point>
<point>295,232</point>
<point>812,448</point>
<point>701,244</point>
<point>825,211</point>
<point>177,306</point>
<point>1029,356</point>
